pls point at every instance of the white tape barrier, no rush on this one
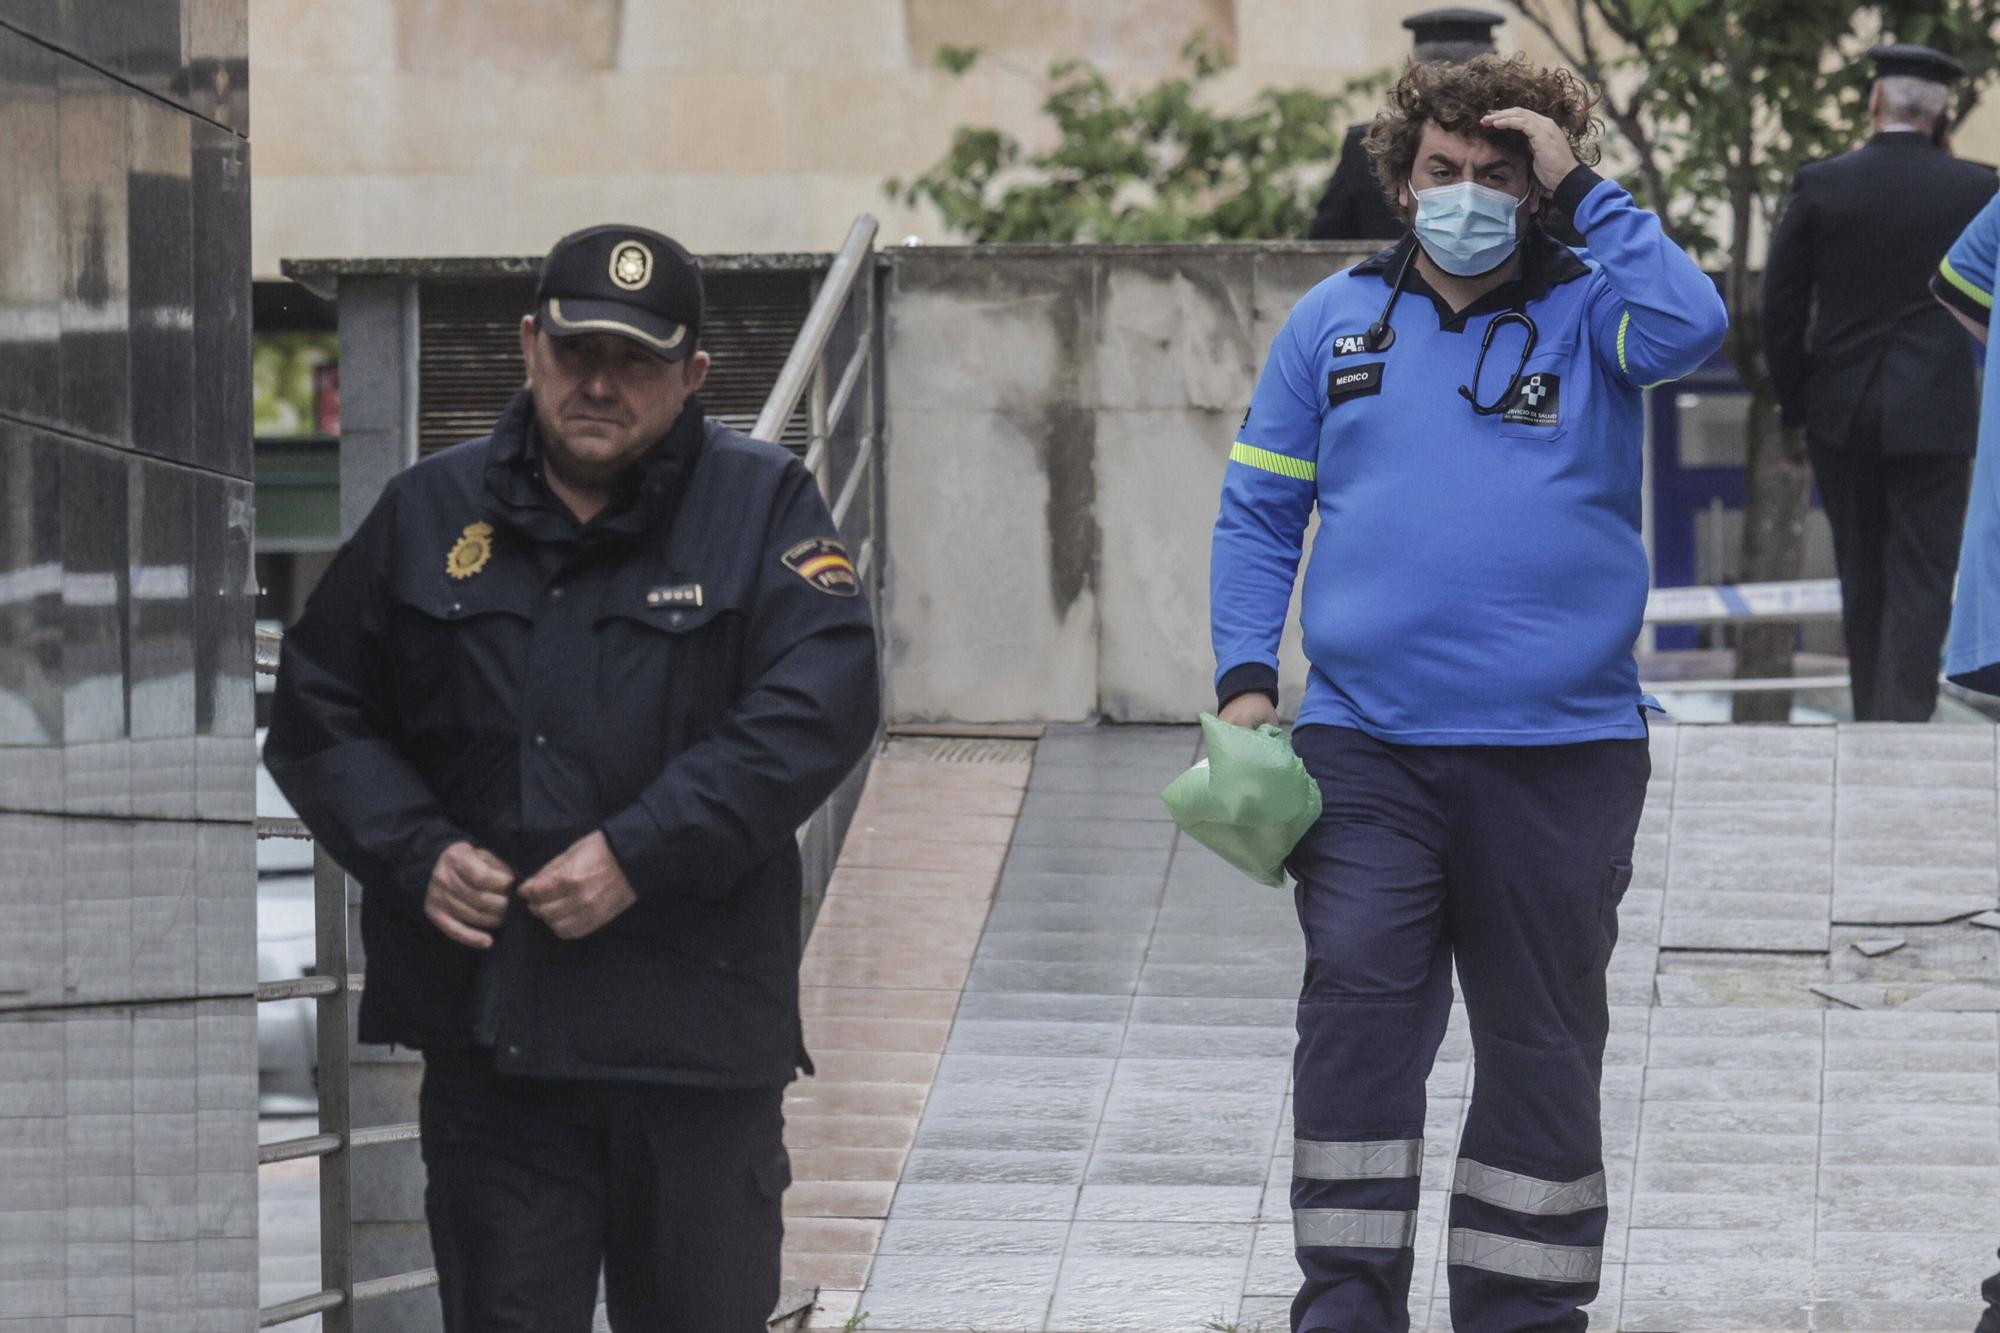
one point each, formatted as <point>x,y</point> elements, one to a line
<point>1804,599</point>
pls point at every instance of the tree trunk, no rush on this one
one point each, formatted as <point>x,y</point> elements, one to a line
<point>1779,479</point>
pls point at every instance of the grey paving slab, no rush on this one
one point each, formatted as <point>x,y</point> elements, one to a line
<point>1149,835</point>
<point>1089,860</point>
<point>1093,805</point>
<point>1063,946</point>
<point>1050,1039</point>
<point>1113,1202</point>
<point>1088,978</point>
<point>922,1291</point>
<point>1108,1143</point>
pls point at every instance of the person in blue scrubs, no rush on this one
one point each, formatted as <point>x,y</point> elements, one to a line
<point>1964,283</point>
<point>1463,412</point>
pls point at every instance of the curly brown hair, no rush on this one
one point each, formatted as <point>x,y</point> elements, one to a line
<point>1453,96</point>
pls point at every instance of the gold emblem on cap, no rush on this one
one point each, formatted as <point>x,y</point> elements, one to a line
<point>631,265</point>
<point>470,552</point>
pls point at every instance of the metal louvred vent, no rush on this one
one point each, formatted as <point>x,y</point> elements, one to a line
<point>469,355</point>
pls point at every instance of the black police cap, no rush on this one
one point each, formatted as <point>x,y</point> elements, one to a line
<point>1453,25</point>
<point>629,281</point>
<point>1908,60</point>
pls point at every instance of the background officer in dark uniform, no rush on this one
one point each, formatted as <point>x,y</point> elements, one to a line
<point>1880,375</point>
<point>559,706</point>
<point>1354,207</point>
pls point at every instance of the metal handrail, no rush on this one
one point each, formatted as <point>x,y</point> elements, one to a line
<point>810,345</point>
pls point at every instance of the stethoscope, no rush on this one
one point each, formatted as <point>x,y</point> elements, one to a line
<point>1380,337</point>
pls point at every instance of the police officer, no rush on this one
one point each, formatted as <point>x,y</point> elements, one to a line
<point>559,706</point>
<point>1464,411</point>
<point>1879,376</point>
<point>1353,208</point>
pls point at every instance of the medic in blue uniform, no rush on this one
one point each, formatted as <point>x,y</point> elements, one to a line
<point>1463,411</point>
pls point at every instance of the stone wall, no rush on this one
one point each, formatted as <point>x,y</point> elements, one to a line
<point>128,1062</point>
<point>1058,421</point>
<point>490,127</point>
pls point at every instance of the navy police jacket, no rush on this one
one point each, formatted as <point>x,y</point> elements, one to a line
<point>693,672</point>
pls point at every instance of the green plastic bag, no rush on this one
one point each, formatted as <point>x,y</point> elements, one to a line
<point>1249,802</point>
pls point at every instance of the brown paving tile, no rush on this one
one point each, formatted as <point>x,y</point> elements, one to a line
<point>849,942</point>
<point>917,973</point>
<point>940,800</point>
<point>811,1097</point>
<point>932,826</point>
<point>839,1198</point>
<point>832,1235</point>
<point>838,1066</point>
<point>847,1164</point>
<point>871,912</point>
<point>853,881</point>
<point>828,1270</point>
<point>949,777</point>
<point>868,1002</point>
<point>875,1034</point>
<point>885,853</point>
<point>850,1131</point>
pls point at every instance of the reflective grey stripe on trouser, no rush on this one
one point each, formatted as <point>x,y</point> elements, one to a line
<point>1373,1159</point>
<point>1356,1228</point>
<point>1524,1258</point>
<point>1526,1194</point>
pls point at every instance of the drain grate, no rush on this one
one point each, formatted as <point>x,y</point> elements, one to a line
<point>958,750</point>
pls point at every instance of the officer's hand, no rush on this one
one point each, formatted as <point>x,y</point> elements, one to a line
<point>467,897</point>
<point>1250,711</point>
<point>1553,156</point>
<point>579,890</point>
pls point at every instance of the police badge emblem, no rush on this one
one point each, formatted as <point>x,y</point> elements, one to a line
<point>631,265</point>
<point>469,554</point>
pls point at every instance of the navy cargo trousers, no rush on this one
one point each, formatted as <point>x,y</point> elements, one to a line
<point>1509,861</point>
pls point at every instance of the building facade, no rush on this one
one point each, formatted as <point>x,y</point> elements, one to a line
<point>128,1063</point>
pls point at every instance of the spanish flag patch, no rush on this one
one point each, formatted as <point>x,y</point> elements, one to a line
<point>823,563</point>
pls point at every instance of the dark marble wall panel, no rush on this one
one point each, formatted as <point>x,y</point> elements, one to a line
<point>127,853</point>
<point>31,619</point>
<point>97,776</point>
<point>45,19</point>
<point>160,261</point>
<point>31,248</point>
<point>221,212</point>
<point>94,119</point>
<point>162,659</point>
<point>225,616</point>
<point>218,62</point>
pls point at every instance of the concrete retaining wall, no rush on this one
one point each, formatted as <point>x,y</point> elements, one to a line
<point>1058,421</point>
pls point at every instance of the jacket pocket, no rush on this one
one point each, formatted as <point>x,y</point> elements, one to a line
<point>460,655</point>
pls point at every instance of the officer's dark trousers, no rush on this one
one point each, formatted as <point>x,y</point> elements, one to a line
<point>1511,861</point>
<point>534,1185</point>
<point>1896,522</point>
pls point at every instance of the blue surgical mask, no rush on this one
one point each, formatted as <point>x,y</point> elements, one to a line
<point>1467,229</point>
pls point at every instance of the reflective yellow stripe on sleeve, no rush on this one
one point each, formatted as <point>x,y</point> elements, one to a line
<point>1268,461</point>
<point>1964,284</point>
<point>1624,323</point>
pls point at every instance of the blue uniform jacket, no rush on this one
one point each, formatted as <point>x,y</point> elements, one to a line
<point>1475,580</point>
<point>1965,282</point>
<point>693,672</point>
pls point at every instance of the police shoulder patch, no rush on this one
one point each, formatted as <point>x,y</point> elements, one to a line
<point>823,563</point>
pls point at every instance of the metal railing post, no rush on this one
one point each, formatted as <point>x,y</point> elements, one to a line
<point>336,1169</point>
